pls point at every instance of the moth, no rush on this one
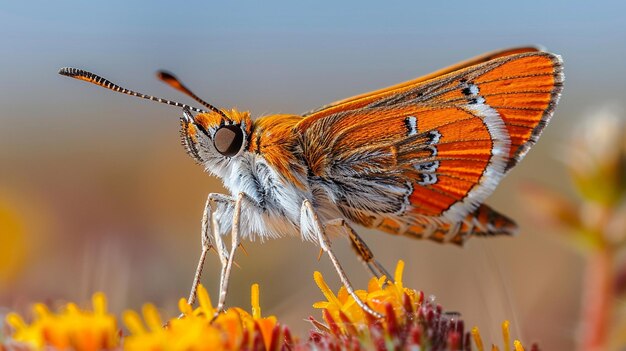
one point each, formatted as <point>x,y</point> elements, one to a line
<point>415,159</point>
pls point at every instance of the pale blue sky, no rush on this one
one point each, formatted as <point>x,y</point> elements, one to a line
<point>290,56</point>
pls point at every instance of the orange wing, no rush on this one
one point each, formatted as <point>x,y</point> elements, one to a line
<point>362,100</point>
<point>430,151</point>
<point>522,84</point>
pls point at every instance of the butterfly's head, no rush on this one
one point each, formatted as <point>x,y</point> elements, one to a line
<point>214,138</point>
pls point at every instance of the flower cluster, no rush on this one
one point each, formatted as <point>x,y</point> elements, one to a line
<point>410,322</point>
<point>204,328</point>
<point>71,328</point>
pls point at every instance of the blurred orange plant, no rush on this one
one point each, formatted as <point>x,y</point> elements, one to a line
<point>595,224</point>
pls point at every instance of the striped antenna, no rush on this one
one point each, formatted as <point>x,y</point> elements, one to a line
<point>97,80</point>
<point>171,80</point>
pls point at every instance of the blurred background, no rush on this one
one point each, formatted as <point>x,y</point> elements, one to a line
<point>96,192</point>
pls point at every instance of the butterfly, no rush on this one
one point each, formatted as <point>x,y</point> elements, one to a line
<point>415,159</point>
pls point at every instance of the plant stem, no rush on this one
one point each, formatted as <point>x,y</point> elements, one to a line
<point>597,300</point>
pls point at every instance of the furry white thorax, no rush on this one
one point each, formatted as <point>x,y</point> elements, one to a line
<point>272,206</point>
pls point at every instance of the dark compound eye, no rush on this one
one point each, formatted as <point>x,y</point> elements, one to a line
<point>228,140</point>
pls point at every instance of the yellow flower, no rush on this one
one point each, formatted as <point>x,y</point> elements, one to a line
<point>506,337</point>
<point>202,328</point>
<point>409,322</point>
<point>377,296</point>
<point>71,328</point>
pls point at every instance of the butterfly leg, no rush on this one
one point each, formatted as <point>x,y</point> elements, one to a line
<point>226,269</point>
<point>209,224</point>
<point>310,221</point>
<point>207,217</point>
<point>360,247</point>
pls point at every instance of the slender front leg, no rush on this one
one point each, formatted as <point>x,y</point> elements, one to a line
<point>229,260</point>
<point>310,221</point>
<point>210,224</point>
<point>361,248</point>
<point>222,252</point>
<point>207,217</point>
